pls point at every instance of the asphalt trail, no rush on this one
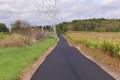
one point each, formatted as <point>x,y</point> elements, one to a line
<point>67,63</point>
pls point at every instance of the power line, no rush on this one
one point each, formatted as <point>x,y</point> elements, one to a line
<point>49,11</point>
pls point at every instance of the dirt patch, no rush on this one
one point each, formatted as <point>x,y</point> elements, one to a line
<point>28,73</point>
<point>106,62</point>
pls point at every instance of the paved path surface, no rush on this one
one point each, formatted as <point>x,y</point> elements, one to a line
<point>67,63</point>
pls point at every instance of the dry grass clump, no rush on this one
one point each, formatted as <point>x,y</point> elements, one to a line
<point>13,40</point>
<point>22,38</point>
<point>14,43</point>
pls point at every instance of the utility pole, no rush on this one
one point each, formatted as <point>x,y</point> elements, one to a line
<point>42,29</point>
<point>49,11</point>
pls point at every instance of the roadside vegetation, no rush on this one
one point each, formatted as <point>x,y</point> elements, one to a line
<point>13,60</point>
<point>21,47</point>
<point>99,38</point>
<point>14,40</point>
<point>21,34</point>
<point>107,41</point>
<point>104,46</point>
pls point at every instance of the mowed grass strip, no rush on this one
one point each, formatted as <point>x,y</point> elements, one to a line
<point>14,60</point>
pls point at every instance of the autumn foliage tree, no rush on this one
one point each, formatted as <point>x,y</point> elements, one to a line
<point>21,27</point>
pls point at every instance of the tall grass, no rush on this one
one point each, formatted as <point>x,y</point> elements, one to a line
<point>12,39</point>
<point>107,41</point>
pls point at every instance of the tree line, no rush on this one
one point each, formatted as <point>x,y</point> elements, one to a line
<point>98,25</point>
<point>17,26</point>
<point>22,27</point>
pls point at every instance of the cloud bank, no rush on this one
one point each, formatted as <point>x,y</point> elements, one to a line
<point>67,10</point>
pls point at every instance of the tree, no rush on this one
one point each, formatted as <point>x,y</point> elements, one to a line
<point>3,28</point>
<point>16,27</point>
<point>21,27</point>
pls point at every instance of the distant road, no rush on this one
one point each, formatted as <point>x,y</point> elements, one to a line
<point>67,63</point>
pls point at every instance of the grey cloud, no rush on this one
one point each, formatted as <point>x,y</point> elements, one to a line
<point>11,10</point>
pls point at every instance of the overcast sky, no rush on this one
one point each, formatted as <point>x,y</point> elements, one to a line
<point>67,10</point>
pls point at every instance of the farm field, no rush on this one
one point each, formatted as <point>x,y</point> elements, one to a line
<point>13,60</point>
<point>108,41</point>
<point>103,46</point>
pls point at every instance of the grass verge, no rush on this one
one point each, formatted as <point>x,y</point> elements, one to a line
<point>14,60</point>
